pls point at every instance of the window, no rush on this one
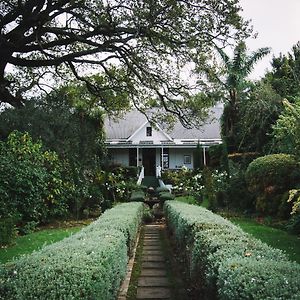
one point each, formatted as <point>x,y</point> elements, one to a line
<point>187,160</point>
<point>148,131</point>
<point>165,159</point>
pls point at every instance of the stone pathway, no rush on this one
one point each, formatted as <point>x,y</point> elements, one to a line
<point>153,282</point>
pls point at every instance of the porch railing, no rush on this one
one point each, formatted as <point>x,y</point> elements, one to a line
<point>141,176</point>
<point>158,172</point>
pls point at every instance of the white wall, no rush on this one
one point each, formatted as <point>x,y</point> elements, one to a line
<point>141,135</point>
<point>120,156</point>
<point>176,158</point>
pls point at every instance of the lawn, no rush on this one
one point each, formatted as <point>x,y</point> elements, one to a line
<point>34,241</point>
<point>274,237</point>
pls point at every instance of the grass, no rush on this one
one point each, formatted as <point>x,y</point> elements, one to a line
<point>34,241</point>
<point>191,200</point>
<point>137,268</point>
<point>274,237</point>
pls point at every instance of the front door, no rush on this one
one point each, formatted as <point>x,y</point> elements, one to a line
<point>149,161</point>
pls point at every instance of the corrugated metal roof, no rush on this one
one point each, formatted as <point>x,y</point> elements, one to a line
<point>125,126</point>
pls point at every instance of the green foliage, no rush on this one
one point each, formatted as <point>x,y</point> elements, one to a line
<point>137,196</point>
<point>284,76</point>
<point>274,237</point>
<point>235,86</point>
<point>161,189</point>
<point>164,196</point>
<point>31,181</point>
<point>238,195</point>
<point>198,157</point>
<point>257,114</point>
<point>184,181</point>
<point>218,156</point>
<point>90,264</point>
<point>231,263</point>
<point>7,229</point>
<point>270,176</point>
<point>286,131</point>
<point>34,241</point>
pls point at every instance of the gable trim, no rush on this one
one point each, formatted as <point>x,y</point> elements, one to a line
<point>143,126</point>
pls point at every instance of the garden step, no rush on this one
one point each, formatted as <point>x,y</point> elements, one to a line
<point>153,265</point>
<point>153,272</point>
<point>154,281</point>
<point>153,293</point>
<point>152,252</point>
<point>150,248</point>
<point>154,258</point>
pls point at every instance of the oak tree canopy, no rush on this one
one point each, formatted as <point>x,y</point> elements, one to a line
<point>136,47</point>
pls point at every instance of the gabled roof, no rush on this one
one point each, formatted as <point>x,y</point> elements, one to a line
<point>132,121</point>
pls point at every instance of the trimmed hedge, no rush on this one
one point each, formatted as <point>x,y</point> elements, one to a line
<point>88,265</point>
<point>230,262</point>
<point>269,178</point>
<point>137,195</point>
<point>164,196</point>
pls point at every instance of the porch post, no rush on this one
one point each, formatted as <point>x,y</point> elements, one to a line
<point>137,156</point>
<point>204,156</point>
<point>162,158</point>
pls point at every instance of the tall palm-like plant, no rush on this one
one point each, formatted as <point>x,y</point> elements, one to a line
<point>236,70</point>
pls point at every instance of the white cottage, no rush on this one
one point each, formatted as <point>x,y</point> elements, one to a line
<point>133,141</point>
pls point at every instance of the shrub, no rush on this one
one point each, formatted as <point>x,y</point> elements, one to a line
<point>88,265</point>
<point>31,184</point>
<point>164,196</point>
<point>271,175</point>
<point>7,229</point>
<point>162,189</point>
<point>238,195</point>
<point>137,196</point>
<point>229,262</point>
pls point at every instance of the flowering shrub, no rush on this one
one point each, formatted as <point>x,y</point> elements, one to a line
<point>116,184</point>
<point>184,181</point>
<point>230,262</point>
<point>88,265</point>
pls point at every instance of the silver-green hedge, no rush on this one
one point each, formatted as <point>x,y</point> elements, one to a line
<point>88,265</point>
<point>228,260</point>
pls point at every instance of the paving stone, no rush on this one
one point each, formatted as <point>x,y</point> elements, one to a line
<point>151,243</point>
<point>153,281</point>
<point>152,258</point>
<point>152,252</point>
<point>153,293</point>
<point>149,248</point>
<point>153,265</point>
<point>153,272</point>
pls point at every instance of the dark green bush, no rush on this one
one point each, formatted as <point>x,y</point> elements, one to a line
<point>137,196</point>
<point>31,181</point>
<point>269,177</point>
<point>162,189</point>
<point>7,229</point>
<point>238,196</point>
<point>164,196</point>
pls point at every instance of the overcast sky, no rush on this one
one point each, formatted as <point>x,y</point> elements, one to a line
<point>277,23</point>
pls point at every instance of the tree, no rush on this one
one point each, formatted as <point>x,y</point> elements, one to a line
<point>286,131</point>
<point>236,70</point>
<point>257,114</point>
<point>71,129</point>
<point>138,47</point>
<point>285,75</point>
